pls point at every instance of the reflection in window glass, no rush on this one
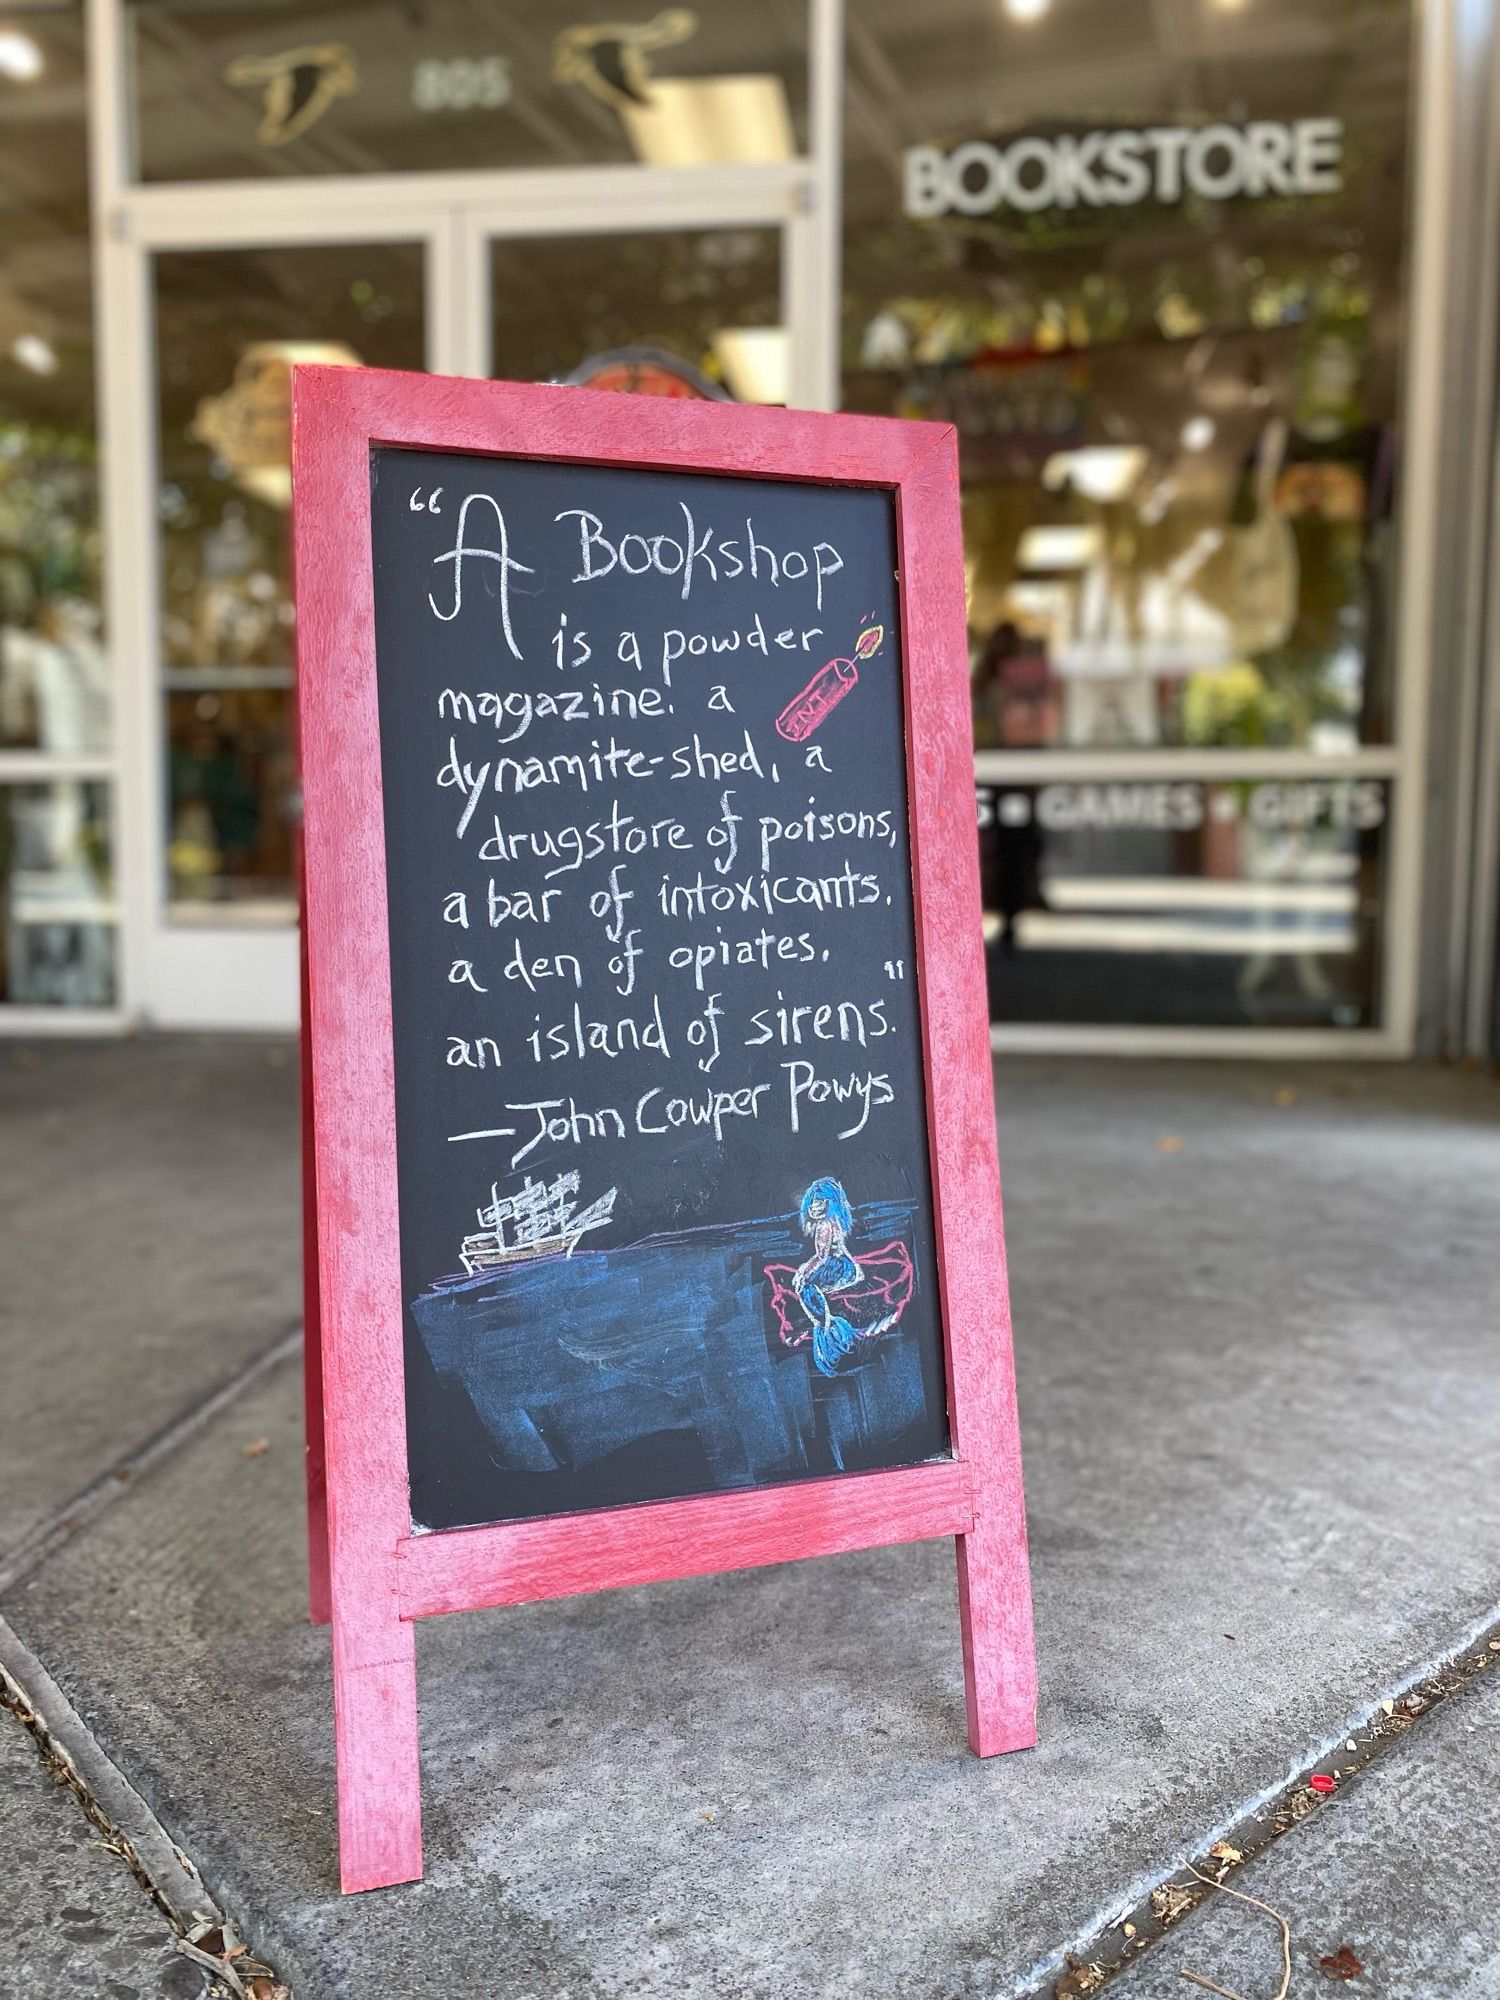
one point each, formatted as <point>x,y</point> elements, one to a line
<point>233,787</point>
<point>1184,903</point>
<point>709,299</point>
<point>57,917</point>
<point>1150,264</point>
<point>226,92</point>
<point>229,328</point>
<point>53,685</point>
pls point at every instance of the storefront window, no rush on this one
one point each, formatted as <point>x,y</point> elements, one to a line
<point>1150,265</point>
<point>230,92</point>
<point>54,688</point>
<point>53,694</point>
<point>673,307</point>
<point>229,327</point>
<point>1185,902</point>
<point>57,916</point>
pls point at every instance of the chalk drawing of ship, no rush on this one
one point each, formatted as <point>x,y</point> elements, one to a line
<point>538,1220</point>
<point>666,1355</point>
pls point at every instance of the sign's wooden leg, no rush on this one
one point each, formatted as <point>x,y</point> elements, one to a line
<point>312,1339</point>
<point>318,1603</point>
<point>375,1739</point>
<point>994,1605</point>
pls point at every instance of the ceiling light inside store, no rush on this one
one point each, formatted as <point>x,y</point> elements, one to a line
<point>1102,472</point>
<point>757,362</point>
<point>711,121</point>
<point>1198,433</point>
<point>20,58</point>
<point>1027,10</point>
<point>39,355</point>
<point>1066,546</point>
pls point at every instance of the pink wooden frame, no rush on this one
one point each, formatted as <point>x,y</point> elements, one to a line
<point>379,1576</point>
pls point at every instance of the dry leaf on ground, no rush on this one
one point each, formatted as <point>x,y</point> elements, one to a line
<point>1078,1980</point>
<point>1168,1903</point>
<point>1340,1964</point>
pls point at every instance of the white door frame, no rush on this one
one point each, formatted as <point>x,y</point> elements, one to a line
<point>214,973</point>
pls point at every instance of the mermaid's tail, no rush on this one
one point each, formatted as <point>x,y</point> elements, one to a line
<point>834,1342</point>
<point>831,1342</point>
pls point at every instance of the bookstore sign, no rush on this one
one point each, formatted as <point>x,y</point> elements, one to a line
<point>1125,167</point>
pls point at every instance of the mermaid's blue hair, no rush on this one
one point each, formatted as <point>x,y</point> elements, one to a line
<point>838,1206</point>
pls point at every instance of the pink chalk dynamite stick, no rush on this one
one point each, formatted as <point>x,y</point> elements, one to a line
<point>826,689</point>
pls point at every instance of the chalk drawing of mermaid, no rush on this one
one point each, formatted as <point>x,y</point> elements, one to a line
<point>830,1298</point>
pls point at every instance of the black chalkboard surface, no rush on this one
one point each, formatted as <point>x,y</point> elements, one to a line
<point>666,1216</point>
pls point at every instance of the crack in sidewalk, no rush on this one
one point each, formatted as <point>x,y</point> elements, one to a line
<point>1130,1926</point>
<point>129,1828</point>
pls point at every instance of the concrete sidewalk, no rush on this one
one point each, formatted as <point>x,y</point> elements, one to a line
<point>150,1233</point>
<point>1256,1316</point>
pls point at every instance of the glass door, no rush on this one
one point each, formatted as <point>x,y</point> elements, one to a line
<point>653,306</point>
<point>227,326</point>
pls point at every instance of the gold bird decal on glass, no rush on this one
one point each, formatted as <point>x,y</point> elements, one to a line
<point>609,57</point>
<point>298,85</point>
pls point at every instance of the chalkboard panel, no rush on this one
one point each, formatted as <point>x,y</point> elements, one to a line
<point>666,1216</point>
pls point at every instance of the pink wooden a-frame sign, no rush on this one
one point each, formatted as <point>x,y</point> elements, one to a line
<point>370,1572</point>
